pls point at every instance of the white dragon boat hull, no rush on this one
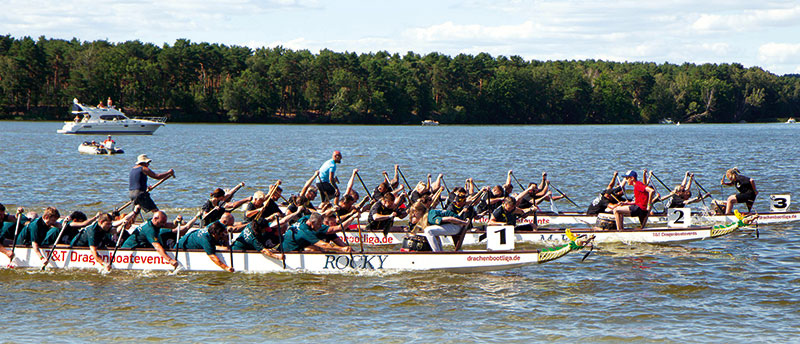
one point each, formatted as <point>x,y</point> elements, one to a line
<point>580,219</point>
<point>655,235</point>
<point>197,260</point>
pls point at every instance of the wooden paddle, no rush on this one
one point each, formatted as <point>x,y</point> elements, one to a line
<point>404,181</point>
<point>16,232</point>
<point>367,193</point>
<point>53,248</point>
<point>562,194</point>
<point>272,189</point>
<point>517,180</point>
<point>119,239</point>
<point>346,241</point>
<point>148,190</point>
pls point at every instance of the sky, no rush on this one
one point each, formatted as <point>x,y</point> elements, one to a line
<point>754,33</point>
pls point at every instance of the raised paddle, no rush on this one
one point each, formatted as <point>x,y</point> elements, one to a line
<point>272,189</point>
<point>16,232</point>
<point>404,181</point>
<point>367,194</point>
<point>119,238</point>
<point>280,242</point>
<point>562,194</point>
<point>659,180</point>
<point>358,224</point>
<point>150,188</point>
<point>517,180</point>
<point>53,248</point>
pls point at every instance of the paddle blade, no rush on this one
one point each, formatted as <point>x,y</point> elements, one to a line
<point>738,214</point>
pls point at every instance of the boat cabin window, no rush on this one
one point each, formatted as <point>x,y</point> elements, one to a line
<point>111,117</point>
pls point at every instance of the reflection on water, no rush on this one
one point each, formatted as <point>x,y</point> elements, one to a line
<point>736,286</point>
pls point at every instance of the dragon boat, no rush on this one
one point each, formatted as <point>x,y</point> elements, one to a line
<point>553,236</point>
<point>314,262</point>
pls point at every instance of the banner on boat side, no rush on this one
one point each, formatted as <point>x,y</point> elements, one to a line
<point>500,238</point>
<point>780,203</point>
<point>679,217</point>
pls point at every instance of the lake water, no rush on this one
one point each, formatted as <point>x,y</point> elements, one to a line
<point>735,288</point>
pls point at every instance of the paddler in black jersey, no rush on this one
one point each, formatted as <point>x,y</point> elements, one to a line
<point>746,187</point>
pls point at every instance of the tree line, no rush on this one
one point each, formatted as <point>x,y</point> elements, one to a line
<point>202,82</point>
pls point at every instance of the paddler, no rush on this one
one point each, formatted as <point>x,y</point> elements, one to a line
<point>303,236</point>
<point>93,236</point>
<point>680,196</point>
<point>328,184</point>
<point>219,203</point>
<point>331,226</point>
<point>508,212</point>
<point>435,223</point>
<point>382,214</point>
<point>34,233</point>
<point>8,228</point>
<point>746,187</point>
<point>642,201</point>
<point>137,183</point>
<point>260,236</point>
<point>148,235</point>
<point>207,239</point>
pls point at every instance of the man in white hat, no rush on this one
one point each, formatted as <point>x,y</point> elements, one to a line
<point>137,183</point>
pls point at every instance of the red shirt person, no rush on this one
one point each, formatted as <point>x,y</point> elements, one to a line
<point>642,200</point>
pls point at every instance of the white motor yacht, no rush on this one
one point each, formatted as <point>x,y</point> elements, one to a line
<point>108,120</point>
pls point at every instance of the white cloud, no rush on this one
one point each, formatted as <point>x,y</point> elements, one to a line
<point>747,20</point>
<point>449,31</point>
<point>779,53</point>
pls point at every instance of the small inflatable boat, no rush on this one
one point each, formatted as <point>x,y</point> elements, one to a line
<point>89,148</point>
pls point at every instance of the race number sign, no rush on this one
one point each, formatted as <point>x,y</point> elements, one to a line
<point>679,217</point>
<point>779,203</point>
<point>500,238</point>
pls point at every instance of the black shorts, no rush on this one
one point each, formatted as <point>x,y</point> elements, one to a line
<point>746,197</point>
<point>638,212</point>
<point>326,191</point>
<point>142,199</point>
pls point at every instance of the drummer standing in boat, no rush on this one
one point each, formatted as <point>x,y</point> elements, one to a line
<point>328,188</point>
<point>137,183</point>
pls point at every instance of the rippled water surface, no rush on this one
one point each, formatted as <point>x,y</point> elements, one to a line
<point>732,289</point>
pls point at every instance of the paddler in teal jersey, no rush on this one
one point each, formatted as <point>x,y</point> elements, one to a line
<point>93,236</point>
<point>147,235</point>
<point>34,233</point>
<point>8,228</point>
<point>207,239</point>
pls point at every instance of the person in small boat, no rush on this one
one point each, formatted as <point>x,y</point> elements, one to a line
<point>148,235</point>
<point>109,143</point>
<point>219,203</point>
<point>642,201</point>
<point>303,236</point>
<point>137,183</point>
<point>328,184</point>
<point>207,239</point>
<point>746,187</point>
<point>260,236</point>
<point>435,223</point>
<point>35,231</point>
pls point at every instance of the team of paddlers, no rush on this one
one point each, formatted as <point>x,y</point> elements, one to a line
<point>273,228</point>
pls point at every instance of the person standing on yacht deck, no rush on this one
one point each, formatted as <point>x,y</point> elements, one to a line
<point>137,183</point>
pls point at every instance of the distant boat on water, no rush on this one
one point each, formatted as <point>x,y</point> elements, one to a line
<point>666,121</point>
<point>108,120</point>
<point>790,120</point>
<point>430,122</point>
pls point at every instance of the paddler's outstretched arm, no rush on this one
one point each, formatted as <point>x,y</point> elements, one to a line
<point>350,182</point>
<point>148,172</point>
<point>308,183</point>
<point>219,263</point>
<point>613,181</point>
<point>163,254</point>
